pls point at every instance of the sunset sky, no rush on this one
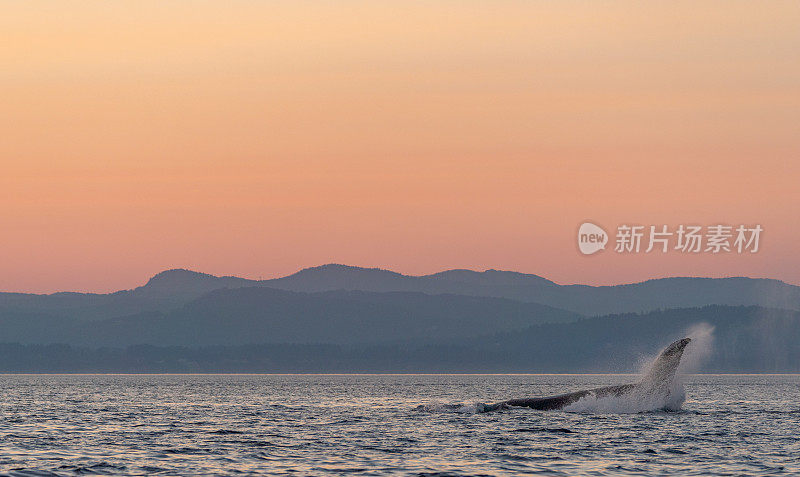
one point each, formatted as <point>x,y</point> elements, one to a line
<point>257,138</point>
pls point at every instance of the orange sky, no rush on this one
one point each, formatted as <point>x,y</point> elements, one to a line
<point>256,138</point>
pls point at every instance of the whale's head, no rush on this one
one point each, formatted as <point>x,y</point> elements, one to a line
<point>675,350</point>
<point>664,368</point>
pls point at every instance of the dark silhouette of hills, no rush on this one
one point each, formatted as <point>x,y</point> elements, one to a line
<point>175,288</point>
<point>584,299</point>
<point>235,316</point>
<point>346,319</point>
<point>164,291</point>
<point>746,339</point>
<point>186,284</point>
<point>587,300</point>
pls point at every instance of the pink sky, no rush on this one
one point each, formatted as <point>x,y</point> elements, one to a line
<point>255,139</point>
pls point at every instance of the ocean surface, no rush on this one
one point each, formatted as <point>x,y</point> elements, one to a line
<point>388,425</point>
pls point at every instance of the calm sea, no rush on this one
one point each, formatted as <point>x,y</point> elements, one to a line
<point>387,425</point>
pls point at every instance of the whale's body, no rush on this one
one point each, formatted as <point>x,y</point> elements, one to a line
<point>657,381</point>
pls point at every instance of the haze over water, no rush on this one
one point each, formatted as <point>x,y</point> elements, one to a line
<point>385,425</point>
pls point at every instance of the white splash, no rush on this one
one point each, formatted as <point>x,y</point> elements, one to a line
<point>650,394</point>
<point>702,335</point>
<point>638,400</point>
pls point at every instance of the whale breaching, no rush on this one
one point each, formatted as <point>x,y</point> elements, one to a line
<point>657,383</point>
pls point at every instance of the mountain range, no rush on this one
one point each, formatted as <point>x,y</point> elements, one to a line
<point>174,288</point>
<point>382,320</point>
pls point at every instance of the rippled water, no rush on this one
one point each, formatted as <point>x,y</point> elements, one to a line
<point>379,425</point>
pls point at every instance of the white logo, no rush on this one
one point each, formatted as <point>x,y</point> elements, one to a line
<point>591,238</point>
<point>687,239</point>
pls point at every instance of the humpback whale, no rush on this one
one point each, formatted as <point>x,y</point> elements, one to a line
<point>656,382</point>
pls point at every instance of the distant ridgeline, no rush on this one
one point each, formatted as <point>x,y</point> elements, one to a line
<point>336,318</point>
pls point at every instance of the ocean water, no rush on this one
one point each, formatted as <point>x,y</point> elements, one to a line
<point>388,425</point>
